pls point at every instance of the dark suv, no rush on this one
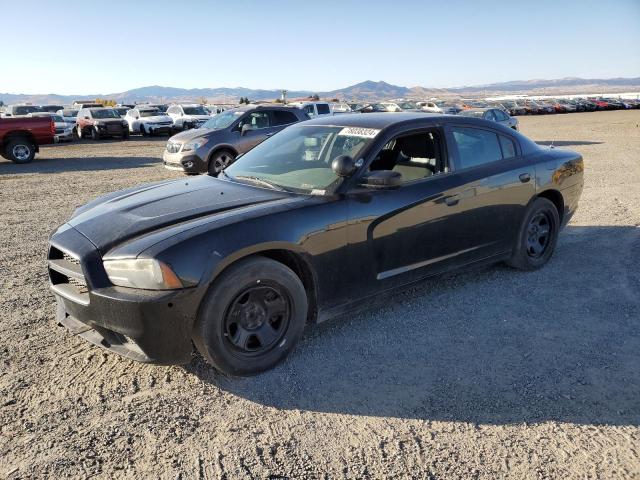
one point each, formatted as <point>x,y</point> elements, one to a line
<point>221,139</point>
<point>101,122</point>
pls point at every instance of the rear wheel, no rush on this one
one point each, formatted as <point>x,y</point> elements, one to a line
<point>252,317</point>
<point>143,131</point>
<point>95,135</point>
<point>219,161</point>
<point>537,237</point>
<point>20,150</point>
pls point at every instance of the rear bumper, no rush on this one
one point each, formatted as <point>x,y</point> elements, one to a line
<point>143,325</point>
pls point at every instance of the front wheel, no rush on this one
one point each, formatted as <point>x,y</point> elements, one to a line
<point>252,317</point>
<point>219,161</point>
<point>537,236</point>
<point>95,135</point>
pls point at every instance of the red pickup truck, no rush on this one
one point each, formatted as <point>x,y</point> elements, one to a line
<point>21,137</point>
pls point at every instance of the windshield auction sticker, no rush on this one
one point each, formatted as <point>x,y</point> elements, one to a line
<point>359,132</point>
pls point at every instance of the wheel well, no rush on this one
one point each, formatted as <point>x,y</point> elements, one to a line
<point>556,198</point>
<point>18,134</point>
<point>221,149</point>
<point>301,269</point>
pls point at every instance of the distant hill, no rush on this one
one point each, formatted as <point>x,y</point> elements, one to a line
<point>367,90</point>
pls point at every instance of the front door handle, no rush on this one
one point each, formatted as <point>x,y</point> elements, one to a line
<point>452,200</point>
<point>525,177</point>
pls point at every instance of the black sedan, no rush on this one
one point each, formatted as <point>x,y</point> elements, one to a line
<point>311,223</point>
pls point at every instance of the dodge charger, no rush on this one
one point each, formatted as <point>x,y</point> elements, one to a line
<point>308,225</point>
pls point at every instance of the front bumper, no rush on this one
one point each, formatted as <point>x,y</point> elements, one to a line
<point>188,162</point>
<point>143,325</point>
<point>151,128</point>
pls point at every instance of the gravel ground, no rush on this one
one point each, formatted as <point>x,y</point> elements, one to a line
<point>489,374</point>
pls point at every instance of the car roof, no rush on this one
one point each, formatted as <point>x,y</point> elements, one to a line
<point>373,120</point>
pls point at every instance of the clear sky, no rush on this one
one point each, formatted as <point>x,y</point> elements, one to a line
<point>91,47</point>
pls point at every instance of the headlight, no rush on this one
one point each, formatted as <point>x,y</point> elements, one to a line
<point>145,273</point>
<point>187,147</point>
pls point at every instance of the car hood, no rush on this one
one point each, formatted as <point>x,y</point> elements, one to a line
<point>192,134</point>
<point>156,118</point>
<point>119,216</point>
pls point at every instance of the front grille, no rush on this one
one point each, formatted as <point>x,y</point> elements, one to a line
<point>66,276</point>
<point>114,128</point>
<point>164,123</point>
<point>59,130</point>
<point>173,147</point>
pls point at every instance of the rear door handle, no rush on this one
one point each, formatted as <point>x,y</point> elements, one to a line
<point>525,177</point>
<point>452,200</point>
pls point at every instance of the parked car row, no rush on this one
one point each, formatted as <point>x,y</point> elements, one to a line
<point>530,106</point>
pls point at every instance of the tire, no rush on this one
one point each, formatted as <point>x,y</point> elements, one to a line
<point>75,133</point>
<point>20,150</point>
<point>533,247</point>
<point>251,317</point>
<point>95,135</point>
<point>219,161</point>
<point>143,131</point>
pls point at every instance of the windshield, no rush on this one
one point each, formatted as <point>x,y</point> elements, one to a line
<point>70,113</point>
<point>149,113</point>
<point>106,113</point>
<point>195,111</point>
<point>408,105</point>
<point>299,157</point>
<point>121,111</point>
<point>222,120</point>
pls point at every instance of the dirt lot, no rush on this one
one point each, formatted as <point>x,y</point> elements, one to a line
<point>489,374</point>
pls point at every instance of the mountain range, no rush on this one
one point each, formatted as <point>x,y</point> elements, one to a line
<point>367,90</point>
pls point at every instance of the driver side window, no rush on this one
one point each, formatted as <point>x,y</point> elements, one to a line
<point>257,120</point>
<point>414,156</point>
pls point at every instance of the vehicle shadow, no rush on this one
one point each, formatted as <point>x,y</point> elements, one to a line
<point>76,164</point>
<point>492,346</point>
<point>566,143</point>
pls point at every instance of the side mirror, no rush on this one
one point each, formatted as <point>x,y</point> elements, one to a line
<point>247,127</point>
<point>343,166</point>
<point>382,179</point>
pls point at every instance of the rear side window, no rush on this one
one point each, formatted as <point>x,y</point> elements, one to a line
<point>508,147</point>
<point>475,146</point>
<point>323,108</point>
<point>280,117</point>
<point>309,110</point>
<point>500,115</point>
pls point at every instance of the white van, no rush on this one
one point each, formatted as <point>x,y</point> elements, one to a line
<point>314,109</point>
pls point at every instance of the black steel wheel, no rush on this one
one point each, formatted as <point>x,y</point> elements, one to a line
<point>251,317</point>
<point>537,236</point>
<point>257,319</point>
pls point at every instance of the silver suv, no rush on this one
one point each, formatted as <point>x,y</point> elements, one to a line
<point>223,137</point>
